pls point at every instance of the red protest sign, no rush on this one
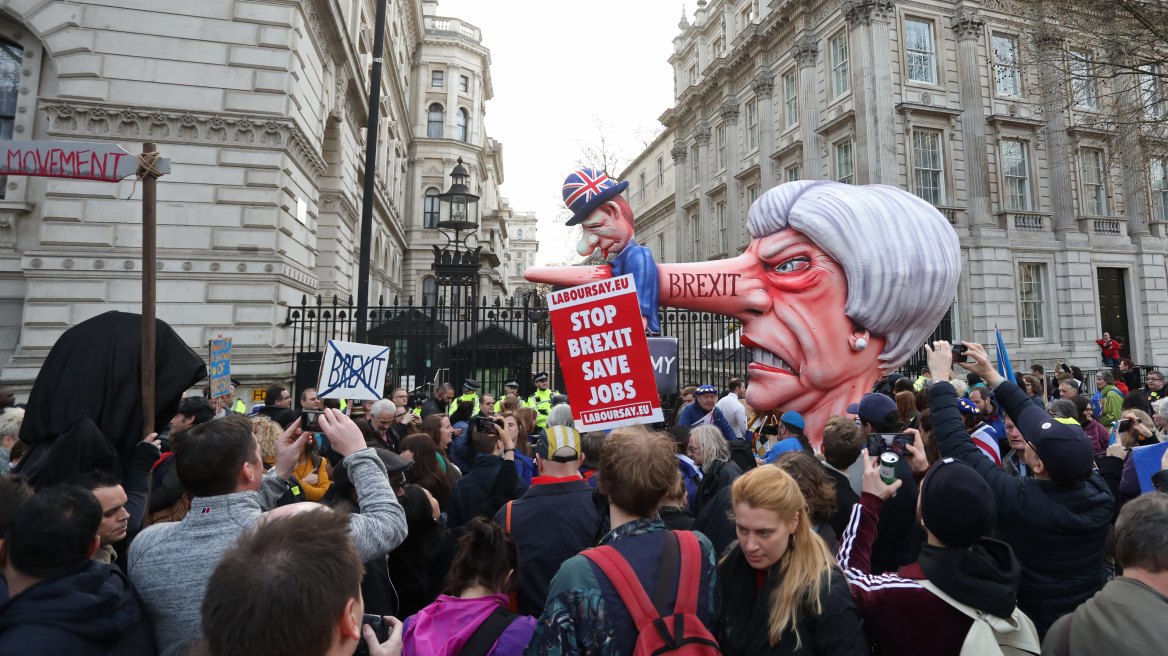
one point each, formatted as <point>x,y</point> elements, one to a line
<point>604,355</point>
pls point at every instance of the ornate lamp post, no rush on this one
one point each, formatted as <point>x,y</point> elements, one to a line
<point>457,265</point>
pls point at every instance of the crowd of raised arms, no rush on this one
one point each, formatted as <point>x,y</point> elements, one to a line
<point>942,515</point>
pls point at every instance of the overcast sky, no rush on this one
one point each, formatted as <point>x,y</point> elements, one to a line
<point>555,66</point>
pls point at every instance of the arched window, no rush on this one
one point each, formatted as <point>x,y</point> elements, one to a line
<point>11,56</point>
<point>429,292</point>
<point>430,215</point>
<point>519,234</point>
<point>463,122</point>
<point>434,127</point>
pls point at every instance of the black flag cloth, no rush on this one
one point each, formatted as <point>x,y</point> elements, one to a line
<point>85,409</point>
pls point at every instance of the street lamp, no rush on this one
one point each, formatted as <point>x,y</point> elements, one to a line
<point>457,265</point>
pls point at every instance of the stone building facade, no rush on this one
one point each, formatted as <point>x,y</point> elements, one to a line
<point>262,108</point>
<point>1062,233</point>
<point>524,247</point>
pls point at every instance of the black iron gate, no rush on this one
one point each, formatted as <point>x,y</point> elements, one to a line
<point>493,342</point>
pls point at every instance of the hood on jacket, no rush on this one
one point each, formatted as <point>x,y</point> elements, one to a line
<point>443,627</point>
<point>93,601</point>
<point>985,577</point>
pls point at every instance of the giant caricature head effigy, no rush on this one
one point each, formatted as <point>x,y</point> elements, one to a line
<point>839,284</point>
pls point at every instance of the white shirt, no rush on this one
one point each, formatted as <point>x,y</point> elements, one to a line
<point>734,412</point>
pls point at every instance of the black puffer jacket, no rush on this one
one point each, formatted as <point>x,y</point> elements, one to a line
<point>1056,531</point>
<point>722,474</point>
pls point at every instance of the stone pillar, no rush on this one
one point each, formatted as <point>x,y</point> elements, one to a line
<point>875,156</point>
<point>806,52</point>
<point>1059,153</point>
<point>763,85</point>
<point>477,118</point>
<point>969,26</point>
<point>701,136</point>
<point>1134,161</point>
<point>450,129</point>
<point>730,112</point>
<point>679,153</point>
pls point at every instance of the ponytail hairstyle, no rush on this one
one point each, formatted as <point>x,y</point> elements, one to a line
<point>487,556</point>
<point>807,566</point>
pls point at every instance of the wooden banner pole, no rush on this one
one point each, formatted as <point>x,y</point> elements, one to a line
<point>149,287</point>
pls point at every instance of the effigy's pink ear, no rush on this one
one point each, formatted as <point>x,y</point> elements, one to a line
<point>567,276</point>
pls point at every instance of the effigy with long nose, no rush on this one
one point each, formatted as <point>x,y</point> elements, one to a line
<point>840,284</point>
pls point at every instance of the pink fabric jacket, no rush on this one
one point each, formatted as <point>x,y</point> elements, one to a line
<point>443,627</point>
<point>1099,436</point>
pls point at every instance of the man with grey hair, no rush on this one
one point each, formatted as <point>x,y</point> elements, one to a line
<point>841,283</point>
<point>381,417</point>
<point>1130,614</point>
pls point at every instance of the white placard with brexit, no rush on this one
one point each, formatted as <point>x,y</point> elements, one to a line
<point>352,371</point>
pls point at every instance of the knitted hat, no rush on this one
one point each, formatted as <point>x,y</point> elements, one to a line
<point>957,504</point>
<point>705,389</point>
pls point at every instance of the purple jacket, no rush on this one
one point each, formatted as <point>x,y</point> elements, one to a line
<point>1099,435</point>
<point>443,627</point>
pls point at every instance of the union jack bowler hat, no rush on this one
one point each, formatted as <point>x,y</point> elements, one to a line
<point>587,189</point>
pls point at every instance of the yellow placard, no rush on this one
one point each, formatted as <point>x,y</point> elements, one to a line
<point>258,394</point>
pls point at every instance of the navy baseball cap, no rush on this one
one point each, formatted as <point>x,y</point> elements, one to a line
<point>873,407</point>
<point>895,376</point>
<point>793,418</point>
<point>1064,449</point>
<point>706,389</point>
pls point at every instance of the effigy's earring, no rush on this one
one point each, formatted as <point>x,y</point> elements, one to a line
<point>861,344</point>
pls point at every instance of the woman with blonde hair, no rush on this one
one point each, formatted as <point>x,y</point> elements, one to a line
<point>780,589</point>
<point>267,433</point>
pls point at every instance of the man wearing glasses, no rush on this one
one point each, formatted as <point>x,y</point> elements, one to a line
<point>1154,387</point>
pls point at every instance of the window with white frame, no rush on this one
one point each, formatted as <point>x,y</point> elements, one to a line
<point>660,172</point>
<point>1094,182</point>
<point>928,166</point>
<point>519,233</point>
<point>746,17</point>
<point>751,125</point>
<point>721,147</point>
<point>718,47</point>
<point>463,124</point>
<point>436,78</point>
<point>839,64</point>
<point>791,98</point>
<point>1016,171</point>
<point>693,75</point>
<point>641,182</point>
<point>1083,79</point>
<point>844,171</point>
<point>1159,171</point>
<point>463,83</point>
<point>1007,71</point>
<point>518,269</point>
<point>430,210</point>
<point>751,195</point>
<point>434,122</point>
<point>661,247</point>
<point>722,230</point>
<point>920,50</point>
<point>793,174</point>
<point>697,237</point>
<point>1152,88</point>
<point>1031,281</point>
<point>693,157</point>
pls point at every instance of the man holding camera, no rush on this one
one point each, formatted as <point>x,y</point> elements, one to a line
<point>1056,522</point>
<point>471,493</point>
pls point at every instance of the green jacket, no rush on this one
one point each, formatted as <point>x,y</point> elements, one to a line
<point>1112,405</point>
<point>542,402</point>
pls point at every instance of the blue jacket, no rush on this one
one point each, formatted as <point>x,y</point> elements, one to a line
<point>460,447</point>
<point>90,609</point>
<point>693,413</point>
<point>472,491</point>
<point>1057,531</point>
<point>638,261</point>
<point>692,478</point>
<point>567,506</point>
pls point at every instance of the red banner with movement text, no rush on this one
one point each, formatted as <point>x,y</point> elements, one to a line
<point>600,341</point>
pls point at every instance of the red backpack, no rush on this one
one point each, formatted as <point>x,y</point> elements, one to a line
<point>680,633</point>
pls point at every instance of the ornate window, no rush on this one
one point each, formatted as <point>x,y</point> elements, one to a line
<point>793,173</point>
<point>1083,79</point>
<point>721,147</point>
<point>1159,190</point>
<point>839,64</point>
<point>434,125</point>
<point>928,167</point>
<point>463,83</point>
<point>436,78</point>
<point>463,124</point>
<point>11,56</point>
<point>722,230</point>
<point>430,214</point>
<point>1094,182</point>
<point>519,234</point>
<point>920,50</point>
<point>1016,170</point>
<point>1007,74</point>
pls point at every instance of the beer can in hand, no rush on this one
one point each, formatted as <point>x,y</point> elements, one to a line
<point>888,462</point>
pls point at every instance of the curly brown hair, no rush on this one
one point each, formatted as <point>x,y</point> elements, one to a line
<point>817,488</point>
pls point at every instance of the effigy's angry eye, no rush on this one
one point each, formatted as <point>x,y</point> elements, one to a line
<point>794,264</point>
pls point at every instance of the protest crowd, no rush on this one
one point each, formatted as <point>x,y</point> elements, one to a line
<point>943,515</point>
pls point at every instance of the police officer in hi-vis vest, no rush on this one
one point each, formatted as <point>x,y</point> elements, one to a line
<point>470,392</point>
<point>542,399</point>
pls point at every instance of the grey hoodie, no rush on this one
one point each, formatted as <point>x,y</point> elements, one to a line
<point>1125,617</point>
